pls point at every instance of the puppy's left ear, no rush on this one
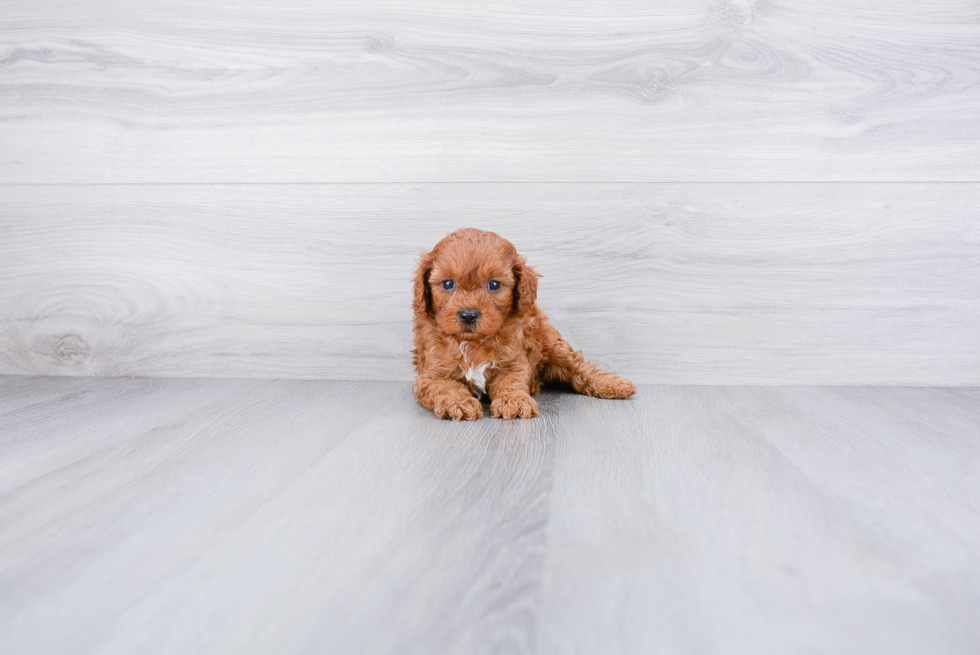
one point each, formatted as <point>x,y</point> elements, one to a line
<point>525,286</point>
<point>423,293</point>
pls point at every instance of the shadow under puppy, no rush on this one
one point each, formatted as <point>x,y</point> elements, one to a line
<point>478,331</point>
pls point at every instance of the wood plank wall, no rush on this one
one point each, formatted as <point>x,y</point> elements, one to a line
<point>715,192</point>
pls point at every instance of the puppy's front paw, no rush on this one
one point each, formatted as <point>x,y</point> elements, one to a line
<point>458,408</point>
<point>514,407</point>
<point>612,386</point>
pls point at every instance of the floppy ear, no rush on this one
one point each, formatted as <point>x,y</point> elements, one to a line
<point>423,294</point>
<point>525,286</point>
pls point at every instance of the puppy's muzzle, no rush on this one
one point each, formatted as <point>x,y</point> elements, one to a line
<point>469,316</point>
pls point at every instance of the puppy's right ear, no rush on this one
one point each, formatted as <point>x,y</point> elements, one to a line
<point>423,293</point>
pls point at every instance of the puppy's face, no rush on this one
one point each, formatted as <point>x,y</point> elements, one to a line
<point>471,282</point>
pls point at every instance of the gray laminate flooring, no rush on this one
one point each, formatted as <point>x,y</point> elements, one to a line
<point>248,516</point>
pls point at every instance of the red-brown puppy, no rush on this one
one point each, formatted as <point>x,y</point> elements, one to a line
<point>478,331</point>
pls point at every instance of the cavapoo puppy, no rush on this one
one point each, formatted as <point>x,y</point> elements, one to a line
<point>478,331</point>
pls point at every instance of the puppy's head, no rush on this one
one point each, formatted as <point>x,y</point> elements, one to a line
<point>471,282</point>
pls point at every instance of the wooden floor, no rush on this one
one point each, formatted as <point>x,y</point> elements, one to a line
<point>234,516</point>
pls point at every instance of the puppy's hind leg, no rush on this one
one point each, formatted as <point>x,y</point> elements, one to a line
<point>562,364</point>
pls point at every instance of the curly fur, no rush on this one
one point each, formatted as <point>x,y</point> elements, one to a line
<point>508,352</point>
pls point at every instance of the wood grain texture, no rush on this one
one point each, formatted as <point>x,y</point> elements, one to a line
<point>383,91</point>
<point>765,520</point>
<point>673,283</point>
<point>248,516</point>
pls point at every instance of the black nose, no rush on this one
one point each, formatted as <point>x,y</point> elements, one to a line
<point>469,316</point>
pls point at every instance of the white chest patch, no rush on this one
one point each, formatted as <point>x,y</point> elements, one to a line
<point>476,377</point>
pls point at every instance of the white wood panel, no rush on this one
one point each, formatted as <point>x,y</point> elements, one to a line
<point>374,91</point>
<point>246,516</point>
<point>682,283</point>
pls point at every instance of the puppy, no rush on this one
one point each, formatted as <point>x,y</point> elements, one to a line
<point>478,331</point>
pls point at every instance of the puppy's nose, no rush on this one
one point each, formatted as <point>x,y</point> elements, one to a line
<point>469,316</point>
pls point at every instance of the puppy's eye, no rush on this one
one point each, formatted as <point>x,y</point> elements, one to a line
<point>448,285</point>
<point>493,285</point>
